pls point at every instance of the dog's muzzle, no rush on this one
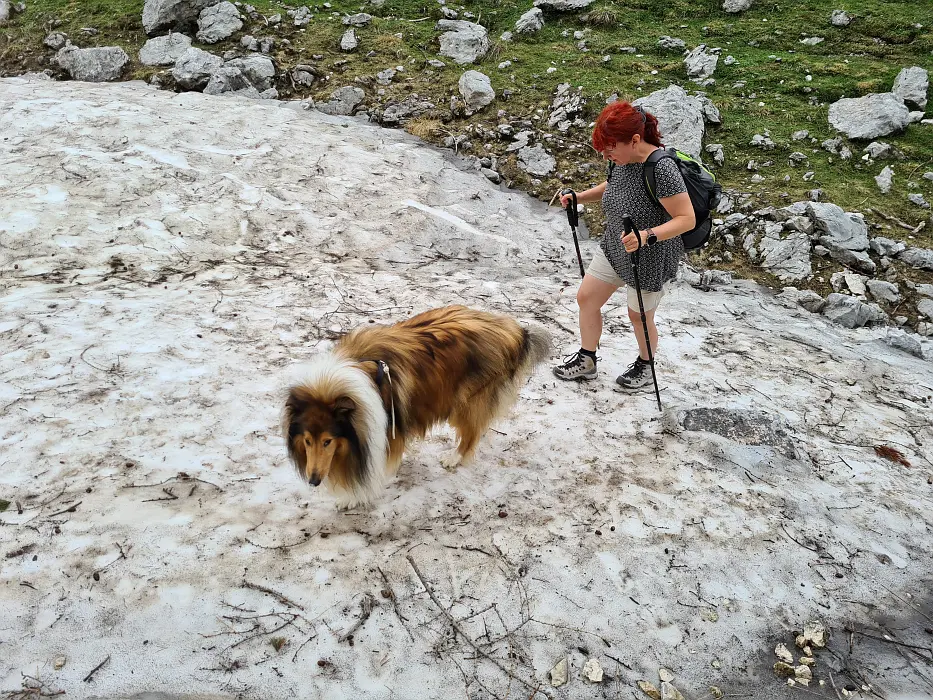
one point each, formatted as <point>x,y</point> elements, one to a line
<point>315,480</point>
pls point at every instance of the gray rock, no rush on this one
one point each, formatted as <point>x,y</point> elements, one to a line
<point>95,65</point>
<point>906,342</point>
<point>563,5</point>
<point>230,80</point>
<point>743,426</point>
<point>4,12</point>
<point>925,307</point>
<point>800,135</point>
<point>918,116</point>
<point>180,15</point>
<point>885,179</point>
<point>700,63</point>
<point>360,19</point>
<point>259,70</point>
<point>348,41</point>
<point>530,22</point>
<point>879,150</point>
<point>928,175</point>
<point>850,312</point>
<point>384,77</point>
<point>911,86</point>
<point>218,22</point>
<point>250,43</point>
<point>811,301</point>
<point>917,257</point>
<point>715,149</point>
<point>164,50</point>
<point>536,161</point>
<point>919,200</point>
<point>812,40</point>
<point>840,18</point>
<point>491,175</point>
<point>194,68</point>
<point>56,40</point>
<point>710,111</point>
<point>869,117</point>
<point>462,41</point>
<point>304,74</point>
<point>566,108</point>
<point>760,141</point>
<point>680,118</point>
<point>301,16</point>
<point>672,44</point>
<point>734,6</point>
<point>884,291</point>
<point>838,228</point>
<point>400,112</point>
<point>886,246</point>
<point>476,90</point>
<point>343,101</point>
<point>786,257</point>
<point>855,259</point>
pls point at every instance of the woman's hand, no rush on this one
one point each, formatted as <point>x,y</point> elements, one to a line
<point>566,199</point>
<point>633,242</point>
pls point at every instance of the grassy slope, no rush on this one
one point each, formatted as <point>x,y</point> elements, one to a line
<point>864,57</point>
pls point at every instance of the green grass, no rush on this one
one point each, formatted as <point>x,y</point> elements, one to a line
<point>852,61</point>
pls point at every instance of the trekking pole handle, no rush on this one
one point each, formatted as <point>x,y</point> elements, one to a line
<point>573,216</point>
<point>630,226</point>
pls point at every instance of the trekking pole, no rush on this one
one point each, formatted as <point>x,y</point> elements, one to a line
<point>629,228</point>
<point>573,217</point>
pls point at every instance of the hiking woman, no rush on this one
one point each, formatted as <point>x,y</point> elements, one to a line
<point>626,136</point>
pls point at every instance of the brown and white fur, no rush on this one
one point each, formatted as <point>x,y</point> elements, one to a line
<point>451,364</point>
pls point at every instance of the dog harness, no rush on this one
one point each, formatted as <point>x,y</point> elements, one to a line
<point>382,372</point>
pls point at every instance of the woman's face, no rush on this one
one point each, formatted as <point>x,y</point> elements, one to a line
<point>622,153</point>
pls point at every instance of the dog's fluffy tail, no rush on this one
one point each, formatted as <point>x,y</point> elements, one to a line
<point>536,348</point>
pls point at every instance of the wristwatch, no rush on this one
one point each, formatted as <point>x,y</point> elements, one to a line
<point>652,237</point>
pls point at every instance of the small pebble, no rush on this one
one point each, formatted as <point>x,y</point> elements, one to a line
<point>502,514</point>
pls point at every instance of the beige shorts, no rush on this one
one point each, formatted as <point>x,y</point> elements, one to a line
<point>601,269</point>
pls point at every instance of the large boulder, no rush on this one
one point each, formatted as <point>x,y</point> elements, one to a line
<point>911,86</point>
<point>181,15</point>
<point>464,42</point>
<point>917,257</point>
<point>680,118</point>
<point>734,6</point>
<point>218,22</point>
<point>342,101</point>
<point>536,161</point>
<point>96,65</point>
<point>564,5</point>
<point>700,63</point>
<point>164,50</point>
<point>837,228</point>
<point>258,69</point>
<point>194,68</point>
<point>850,312</point>
<point>869,117</point>
<point>787,257</point>
<point>230,80</point>
<point>476,90</point>
<point>530,22</point>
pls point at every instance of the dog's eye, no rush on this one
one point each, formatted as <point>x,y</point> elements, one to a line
<point>326,443</point>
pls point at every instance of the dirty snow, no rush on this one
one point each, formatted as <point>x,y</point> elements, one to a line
<point>164,259</point>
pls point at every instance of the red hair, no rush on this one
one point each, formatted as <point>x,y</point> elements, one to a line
<point>620,121</point>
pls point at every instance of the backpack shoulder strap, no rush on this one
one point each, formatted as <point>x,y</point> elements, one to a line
<point>650,163</point>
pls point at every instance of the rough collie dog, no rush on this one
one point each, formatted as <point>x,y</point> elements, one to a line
<point>352,411</point>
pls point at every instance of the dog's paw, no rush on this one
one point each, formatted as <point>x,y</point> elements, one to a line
<point>450,460</point>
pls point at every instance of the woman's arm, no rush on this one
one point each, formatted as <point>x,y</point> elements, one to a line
<point>682,220</point>
<point>594,194</point>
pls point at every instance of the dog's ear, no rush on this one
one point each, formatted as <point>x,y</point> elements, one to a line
<point>294,404</point>
<point>344,406</point>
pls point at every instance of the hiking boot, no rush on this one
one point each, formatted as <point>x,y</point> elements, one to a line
<point>636,376</point>
<point>577,366</point>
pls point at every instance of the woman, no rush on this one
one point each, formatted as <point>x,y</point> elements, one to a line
<point>627,135</point>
